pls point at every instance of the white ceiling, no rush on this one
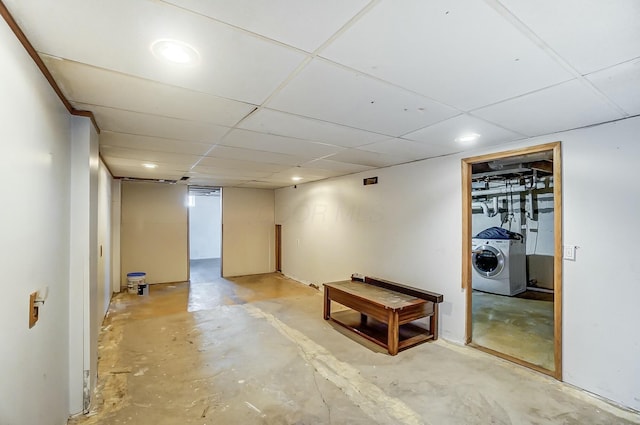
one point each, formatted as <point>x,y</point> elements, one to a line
<point>316,89</point>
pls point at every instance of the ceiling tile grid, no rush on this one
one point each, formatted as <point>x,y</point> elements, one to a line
<point>565,106</point>
<point>315,21</point>
<point>316,89</point>
<point>332,93</point>
<point>88,85</point>
<point>589,34</point>
<point>459,52</point>
<point>283,124</point>
<point>278,144</point>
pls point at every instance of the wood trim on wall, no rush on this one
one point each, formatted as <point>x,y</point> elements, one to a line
<point>43,68</point>
<point>466,243</point>
<point>557,259</point>
<point>278,247</point>
<point>467,163</point>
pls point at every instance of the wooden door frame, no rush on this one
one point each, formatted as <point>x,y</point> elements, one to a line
<point>278,247</point>
<point>555,147</point>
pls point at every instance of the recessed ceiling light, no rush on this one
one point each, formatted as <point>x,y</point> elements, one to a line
<point>468,138</point>
<point>175,51</point>
<point>149,165</point>
<point>296,178</point>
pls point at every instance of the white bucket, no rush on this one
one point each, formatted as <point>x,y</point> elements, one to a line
<point>134,279</point>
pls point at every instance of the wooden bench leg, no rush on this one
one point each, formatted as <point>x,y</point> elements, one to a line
<point>393,333</point>
<point>327,304</point>
<point>433,322</point>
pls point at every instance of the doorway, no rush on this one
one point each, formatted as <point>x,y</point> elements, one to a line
<point>205,234</point>
<point>512,255</point>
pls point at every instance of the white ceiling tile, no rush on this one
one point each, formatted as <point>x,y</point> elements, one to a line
<point>228,152</point>
<point>129,141</point>
<point>233,63</point>
<point>460,52</point>
<point>563,107</point>
<point>304,174</point>
<point>261,185</point>
<point>216,172</point>
<point>279,144</point>
<point>305,24</point>
<point>142,174</point>
<point>95,86</point>
<point>407,149</point>
<point>330,93</point>
<point>220,182</point>
<point>136,156</point>
<point>336,166</point>
<point>446,132</point>
<point>125,167</point>
<point>370,159</point>
<point>121,121</point>
<point>621,84</point>
<point>208,161</point>
<point>283,124</point>
<point>589,34</point>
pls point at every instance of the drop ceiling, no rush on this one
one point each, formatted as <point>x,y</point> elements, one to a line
<point>316,89</point>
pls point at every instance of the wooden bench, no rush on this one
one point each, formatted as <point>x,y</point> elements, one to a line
<point>392,304</point>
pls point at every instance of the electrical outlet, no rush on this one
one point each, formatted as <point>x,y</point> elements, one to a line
<point>569,252</point>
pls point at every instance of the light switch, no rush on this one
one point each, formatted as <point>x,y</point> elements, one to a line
<point>569,252</point>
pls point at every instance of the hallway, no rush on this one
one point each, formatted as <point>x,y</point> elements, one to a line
<point>255,350</point>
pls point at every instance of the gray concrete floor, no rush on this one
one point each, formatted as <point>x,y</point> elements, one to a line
<point>204,270</point>
<point>255,350</point>
<point>522,328</point>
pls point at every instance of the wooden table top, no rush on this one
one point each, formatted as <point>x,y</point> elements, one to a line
<point>385,297</point>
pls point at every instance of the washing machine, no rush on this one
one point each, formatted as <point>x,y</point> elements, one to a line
<point>499,266</point>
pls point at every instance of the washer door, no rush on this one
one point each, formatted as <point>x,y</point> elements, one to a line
<point>487,260</point>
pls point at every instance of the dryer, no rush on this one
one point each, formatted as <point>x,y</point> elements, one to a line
<point>499,266</point>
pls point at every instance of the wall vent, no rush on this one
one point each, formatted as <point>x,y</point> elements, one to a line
<point>370,180</point>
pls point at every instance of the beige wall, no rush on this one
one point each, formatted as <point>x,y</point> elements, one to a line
<point>154,231</point>
<point>248,231</point>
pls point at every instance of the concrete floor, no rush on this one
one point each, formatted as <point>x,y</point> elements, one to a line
<point>522,328</point>
<point>204,270</point>
<point>255,350</point>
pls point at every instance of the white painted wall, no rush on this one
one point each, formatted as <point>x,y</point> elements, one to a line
<point>34,247</point>
<point>116,192</point>
<point>154,231</point>
<point>248,241</point>
<point>602,287</point>
<point>83,260</point>
<point>408,229</point>
<point>205,226</point>
<point>104,244</point>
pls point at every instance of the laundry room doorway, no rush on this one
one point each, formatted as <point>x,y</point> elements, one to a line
<point>205,234</point>
<point>512,255</point>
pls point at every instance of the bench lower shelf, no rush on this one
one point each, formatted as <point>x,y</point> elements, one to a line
<point>409,334</point>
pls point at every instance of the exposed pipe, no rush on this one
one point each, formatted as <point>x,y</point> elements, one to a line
<point>483,205</point>
<point>503,190</point>
<point>489,212</point>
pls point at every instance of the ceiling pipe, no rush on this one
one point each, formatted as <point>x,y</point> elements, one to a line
<point>503,190</point>
<point>486,210</point>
